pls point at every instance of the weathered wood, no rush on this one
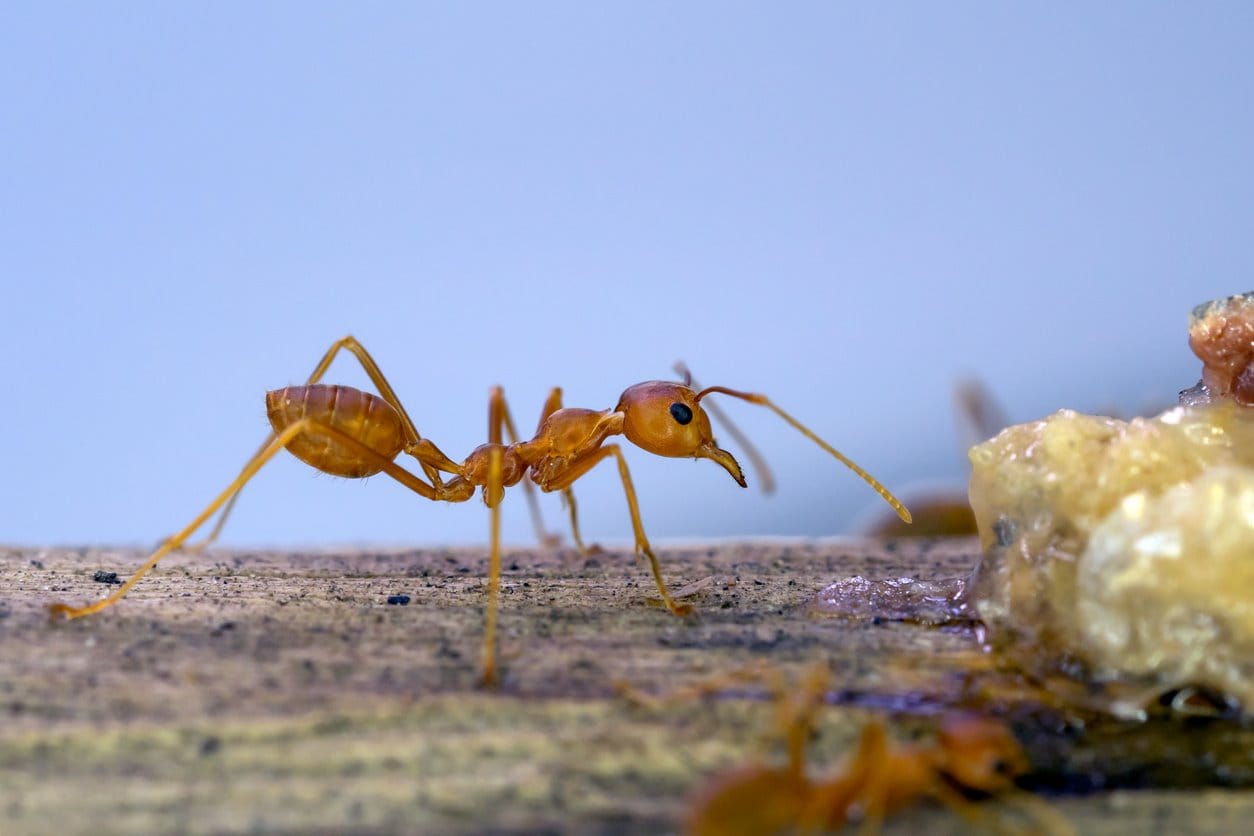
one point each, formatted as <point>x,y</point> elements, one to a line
<point>244,691</point>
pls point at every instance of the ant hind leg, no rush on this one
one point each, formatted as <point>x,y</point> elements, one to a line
<point>415,442</point>
<point>259,460</point>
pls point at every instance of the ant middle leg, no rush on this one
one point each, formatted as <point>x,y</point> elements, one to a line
<point>552,404</point>
<point>498,419</point>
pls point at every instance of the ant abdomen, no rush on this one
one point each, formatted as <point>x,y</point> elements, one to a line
<point>360,415</point>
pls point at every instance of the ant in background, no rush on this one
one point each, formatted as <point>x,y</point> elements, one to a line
<point>347,432</point>
<point>946,511</point>
<point>968,756</point>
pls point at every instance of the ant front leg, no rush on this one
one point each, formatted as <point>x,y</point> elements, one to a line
<point>579,468</point>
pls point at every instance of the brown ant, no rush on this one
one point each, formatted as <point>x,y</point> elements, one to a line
<point>348,432</point>
<point>970,755</point>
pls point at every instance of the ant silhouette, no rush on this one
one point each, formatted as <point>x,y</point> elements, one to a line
<point>348,432</point>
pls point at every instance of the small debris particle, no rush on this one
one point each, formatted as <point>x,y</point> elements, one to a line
<point>102,576</point>
<point>398,600</point>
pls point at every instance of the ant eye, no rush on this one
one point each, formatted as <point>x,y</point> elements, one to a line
<point>681,412</point>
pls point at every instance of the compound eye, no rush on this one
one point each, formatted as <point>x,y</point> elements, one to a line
<point>681,412</point>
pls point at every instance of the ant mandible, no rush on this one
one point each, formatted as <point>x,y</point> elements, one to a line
<point>348,432</point>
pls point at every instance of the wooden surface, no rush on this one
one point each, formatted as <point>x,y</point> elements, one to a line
<point>250,692</point>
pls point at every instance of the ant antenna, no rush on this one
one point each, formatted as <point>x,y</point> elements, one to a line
<point>760,468</point>
<point>763,400</point>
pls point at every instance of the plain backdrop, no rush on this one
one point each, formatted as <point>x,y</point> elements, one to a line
<point>845,206</point>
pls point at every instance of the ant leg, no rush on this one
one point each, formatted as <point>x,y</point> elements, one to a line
<point>568,498</point>
<point>858,786</point>
<point>428,455</point>
<point>494,489</point>
<point>751,673</point>
<point>498,417</point>
<point>552,404</point>
<point>867,779</point>
<point>579,468</point>
<point>642,542</point>
<point>212,536</point>
<point>980,417</point>
<point>350,344</point>
<point>797,708</point>
<point>250,470</point>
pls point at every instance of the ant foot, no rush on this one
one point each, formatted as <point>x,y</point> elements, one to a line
<point>682,610</point>
<point>676,608</point>
<point>65,612</point>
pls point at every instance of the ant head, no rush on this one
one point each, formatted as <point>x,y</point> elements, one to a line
<point>666,419</point>
<point>981,754</point>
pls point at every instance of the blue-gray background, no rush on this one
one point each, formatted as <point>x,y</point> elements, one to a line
<point>844,206</point>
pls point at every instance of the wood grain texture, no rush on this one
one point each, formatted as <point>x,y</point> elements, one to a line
<point>253,692</point>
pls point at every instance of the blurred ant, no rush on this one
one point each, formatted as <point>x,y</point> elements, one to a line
<point>969,756</point>
<point>348,432</point>
<point>945,511</point>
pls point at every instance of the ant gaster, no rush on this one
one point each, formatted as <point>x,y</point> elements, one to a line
<point>348,432</point>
